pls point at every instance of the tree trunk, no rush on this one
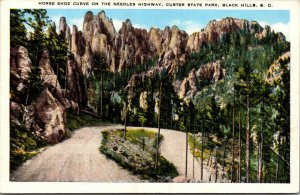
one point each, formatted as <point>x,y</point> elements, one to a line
<point>125,121</point>
<point>28,92</point>
<point>248,134</point>
<point>260,150</point>
<point>114,81</point>
<point>101,97</point>
<point>216,167</point>
<point>287,164</point>
<point>209,157</point>
<point>194,151</point>
<point>258,162</point>
<point>240,149</point>
<point>158,135</point>
<point>29,85</point>
<point>66,80</point>
<point>186,150</point>
<point>261,159</point>
<point>277,170</point>
<point>232,162</point>
<point>56,75</point>
<point>171,121</point>
<point>202,150</point>
<point>224,153</point>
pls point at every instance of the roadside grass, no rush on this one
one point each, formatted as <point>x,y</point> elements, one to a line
<point>197,148</point>
<point>23,146</point>
<point>136,139</point>
<point>75,121</point>
<point>209,153</point>
<point>136,136</point>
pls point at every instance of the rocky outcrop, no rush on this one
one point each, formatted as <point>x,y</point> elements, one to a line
<point>50,107</point>
<point>99,24</point>
<point>133,46</point>
<point>75,89</point>
<point>20,67</point>
<point>65,29</point>
<point>49,117</point>
<point>20,70</point>
<point>49,79</point>
<point>63,25</point>
<point>208,73</point>
<point>98,33</point>
<point>275,71</point>
<point>45,117</point>
<point>155,41</point>
<point>189,86</point>
<point>128,47</point>
<point>77,42</point>
<point>79,63</point>
<point>264,33</point>
<point>16,113</point>
<point>48,76</point>
<point>220,30</point>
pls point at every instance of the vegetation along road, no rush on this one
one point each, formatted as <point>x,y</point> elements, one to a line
<point>79,159</point>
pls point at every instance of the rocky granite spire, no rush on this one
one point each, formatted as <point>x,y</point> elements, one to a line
<point>133,46</point>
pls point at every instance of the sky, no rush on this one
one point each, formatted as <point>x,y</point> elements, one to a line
<point>188,20</point>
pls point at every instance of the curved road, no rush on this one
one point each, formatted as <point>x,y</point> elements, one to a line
<point>79,159</point>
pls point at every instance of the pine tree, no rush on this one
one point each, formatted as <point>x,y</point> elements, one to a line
<point>18,31</point>
<point>99,70</point>
<point>57,47</point>
<point>245,88</point>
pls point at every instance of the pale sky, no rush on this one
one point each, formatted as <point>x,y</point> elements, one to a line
<point>188,20</point>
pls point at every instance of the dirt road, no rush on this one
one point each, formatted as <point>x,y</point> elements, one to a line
<point>79,159</point>
<point>76,159</point>
<point>173,148</point>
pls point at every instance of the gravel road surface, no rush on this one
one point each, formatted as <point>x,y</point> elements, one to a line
<point>79,159</point>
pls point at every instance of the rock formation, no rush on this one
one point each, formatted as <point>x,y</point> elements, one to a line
<point>50,107</point>
<point>133,46</point>
<point>65,29</point>
<point>50,117</point>
<point>46,115</point>
<point>274,73</point>
<point>20,70</point>
<point>220,30</point>
<point>75,89</point>
<point>210,72</point>
<point>20,67</point>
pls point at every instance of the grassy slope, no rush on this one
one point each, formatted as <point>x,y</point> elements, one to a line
<point>23,146</point>
<point>166,169</point>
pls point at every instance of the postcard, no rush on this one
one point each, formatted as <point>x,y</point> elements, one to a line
<point>110,96</point>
